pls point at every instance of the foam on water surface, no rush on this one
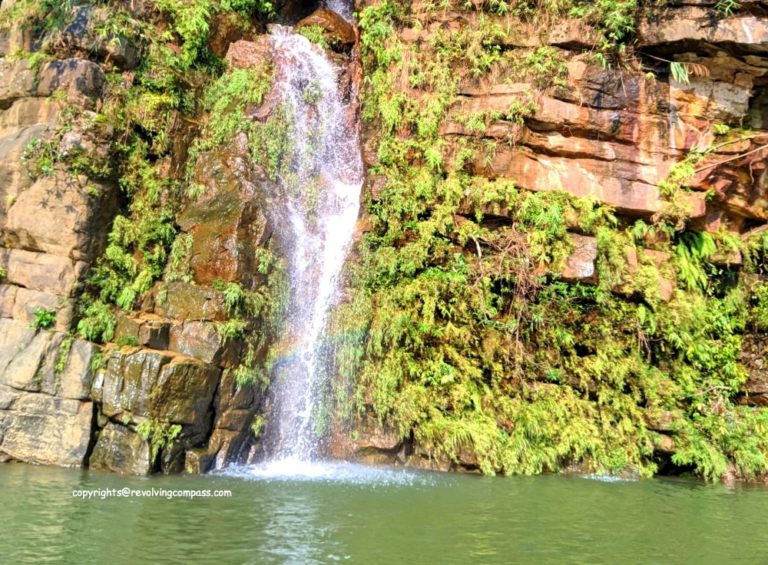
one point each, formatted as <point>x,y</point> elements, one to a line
<point>293,469</point>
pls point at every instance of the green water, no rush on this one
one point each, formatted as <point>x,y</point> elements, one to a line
<point>357,515</point>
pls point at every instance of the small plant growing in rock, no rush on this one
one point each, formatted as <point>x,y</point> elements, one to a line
<point>727,7</point>
<point>127,341</point>
<point>257,426</point>
<point>234,296</point>
<point>232,329</point>
<point>98,322</point>
<point>39,157</point>
<point>159,435</point>
<point>44,319</point>
<point>64,349</point>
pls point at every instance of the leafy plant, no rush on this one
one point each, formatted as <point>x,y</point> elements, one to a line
<point>44,318</point>
<point>62,358</point>
<point>160,435</point>
<point>727,7</point>
<point>316,34</point>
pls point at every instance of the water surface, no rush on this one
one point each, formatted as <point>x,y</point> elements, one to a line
<point>347,513</point>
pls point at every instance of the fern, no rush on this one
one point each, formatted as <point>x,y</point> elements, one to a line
<point>693,251</point>
<point>679,72</point>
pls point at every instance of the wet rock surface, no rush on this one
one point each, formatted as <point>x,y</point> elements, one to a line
<point>121,450</point>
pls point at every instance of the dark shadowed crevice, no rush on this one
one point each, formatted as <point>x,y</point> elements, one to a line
<point>291,11</point>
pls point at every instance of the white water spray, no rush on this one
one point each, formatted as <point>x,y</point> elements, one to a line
<point>313,212</point>
<point>341,7</point>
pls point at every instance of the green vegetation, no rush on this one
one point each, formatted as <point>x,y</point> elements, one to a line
<point>257,425</point>
<point>315,34</point>
<point>160,435</point>
<point>462,337</point>
<point>178,259</point>
<point>143,111</point>
<point>127,341</point>
<point>63,355</point>
<point>44,318</point>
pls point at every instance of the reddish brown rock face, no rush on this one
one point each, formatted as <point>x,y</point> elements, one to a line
<point>696,23</point>
<point>754,356</point>
<point>737,177</point>
<point>580,266</point>
<point>249,54</point>
<point>610,135</point>
<point>614,134</point>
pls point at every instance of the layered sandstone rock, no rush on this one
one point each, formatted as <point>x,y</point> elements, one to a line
<point>46,414</point>
<point>62,400</point>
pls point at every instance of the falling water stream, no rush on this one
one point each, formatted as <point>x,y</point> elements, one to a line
<point>314,209</point>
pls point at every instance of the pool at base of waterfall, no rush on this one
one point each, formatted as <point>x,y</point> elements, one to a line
<point>289,511</point>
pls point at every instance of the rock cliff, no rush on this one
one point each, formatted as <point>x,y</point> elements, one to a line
<point>173,383</point>
<point>560,264</point>
<point>653,110</point>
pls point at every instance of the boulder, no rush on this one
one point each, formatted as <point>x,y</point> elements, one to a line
<point>121,450</point>
<point>26,302</point>
<point>580,265</point>
<point>185,301</point>
<point>17,80</point>
<point>83,81</point>
<point>689,24</point>
<point>226,231</point>
<point>7,300</point>
<point>80,35</point>
<point>56,215</point>
<point>250,54</point>
<point>202,340</point>
<point>226,29</point>
<point>22,359</point>
<point>198,461</point>
<point>235,407</point>
<point>126,382</point>
<point>42,429</point>
<point>184,392</point>
<point>77,374</point>
<point>148,331</point>
<point>40,271</point>
<point>337,31</point>
<point>28,112</point>
<point>146,384</point>
<point>14,178</point>
<point>372,442</point>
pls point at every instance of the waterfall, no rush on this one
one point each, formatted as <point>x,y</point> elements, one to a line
<point>313,211</point>
<point>341,7</point>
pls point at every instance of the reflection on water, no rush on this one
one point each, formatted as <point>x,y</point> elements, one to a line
<point>336,512</point>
